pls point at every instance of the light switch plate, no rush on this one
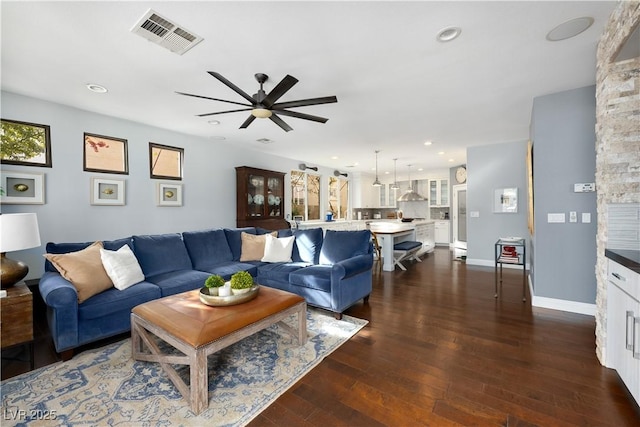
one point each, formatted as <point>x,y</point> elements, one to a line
<point>556,217</point>
<point>586,217</point>
<point>474,214</point>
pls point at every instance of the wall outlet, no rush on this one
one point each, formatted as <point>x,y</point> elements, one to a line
<point>474,214</point>
<point>573,216</point>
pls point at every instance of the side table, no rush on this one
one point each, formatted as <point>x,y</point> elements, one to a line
<point>16,312</point>
<point>511,251</point>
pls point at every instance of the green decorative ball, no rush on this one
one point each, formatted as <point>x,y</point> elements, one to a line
<point>214,281</point>
<point>241,280</point>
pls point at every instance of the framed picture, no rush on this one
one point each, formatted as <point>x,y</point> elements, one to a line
<point>165,162</point>
<point>169,194</point>
<point>20,188</point>
<point>107,192</point>
<point>505,200</point>
<point>105,154</point>
<point>25,144</point>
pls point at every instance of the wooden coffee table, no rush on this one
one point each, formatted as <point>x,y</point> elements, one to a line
<point>198,330</point>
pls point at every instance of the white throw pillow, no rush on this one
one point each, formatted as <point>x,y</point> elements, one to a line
<point>278,249</point>
<point>122,267</point>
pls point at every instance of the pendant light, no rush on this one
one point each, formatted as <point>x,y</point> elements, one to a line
<point>410,195</point>
<point>377,183</point>
<point>395,185</point>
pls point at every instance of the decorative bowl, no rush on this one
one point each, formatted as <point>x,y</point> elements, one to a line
<point>217,301</point>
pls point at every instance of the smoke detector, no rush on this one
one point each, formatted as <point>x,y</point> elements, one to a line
<point>161,31</point>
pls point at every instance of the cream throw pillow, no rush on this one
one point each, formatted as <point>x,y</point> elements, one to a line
<point>278,249</point>
<point>84,270</point>
<point>253,246</point>
<point>122,267</point>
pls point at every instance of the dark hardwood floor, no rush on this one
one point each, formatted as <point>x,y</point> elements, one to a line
<point>440,350</point>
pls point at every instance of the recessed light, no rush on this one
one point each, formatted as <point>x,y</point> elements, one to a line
<point>428,143</point>
<point>451,160</point>
<point>441,152</point>
<point>420,169</point>
<point>334,157</point>
<point>265,140</point>
<point>448,34</point>
<point>218,138</point>
<point>96,88</point>
<point>569,29</point>
<point>214,122</point>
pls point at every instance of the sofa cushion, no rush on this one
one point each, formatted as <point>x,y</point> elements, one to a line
<point>175,282</point>
<point>64,248</point>
<point>227,268</point>
<point>340,245</point>
<point>106,303</point>
<point>84,270</point>
<point>234,238</point>
<point>161,253</point>
<point>122,267</point>
<point>307,245</point>
<point>313,277</point>
<point>278,272</point>
<point>207,248</point>
<point>278,249</point>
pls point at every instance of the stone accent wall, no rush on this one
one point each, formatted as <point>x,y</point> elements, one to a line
<point>617,140</point>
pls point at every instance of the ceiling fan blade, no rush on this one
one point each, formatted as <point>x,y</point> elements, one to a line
<point>235,88</point>
<point>247,122</point>
<point>281,88</point>
<point>213,99</point>
<point>277,120</point>
<point>222,112</point>
<point>301,115</point>
<point>305,102</point>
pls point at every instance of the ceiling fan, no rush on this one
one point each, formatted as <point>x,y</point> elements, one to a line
<point>263,105</point>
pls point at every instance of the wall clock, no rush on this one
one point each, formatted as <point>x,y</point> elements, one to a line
<point>461,175</point>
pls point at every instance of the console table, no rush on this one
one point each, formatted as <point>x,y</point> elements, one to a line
<point>520,246</point>
<point>16,326</point>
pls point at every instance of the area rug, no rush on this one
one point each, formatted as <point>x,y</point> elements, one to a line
<point>106,387</point>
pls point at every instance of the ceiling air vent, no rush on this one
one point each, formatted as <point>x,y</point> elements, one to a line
<point>165,33</point>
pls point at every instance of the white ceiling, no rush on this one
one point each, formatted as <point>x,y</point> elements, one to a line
<point>397,87</point>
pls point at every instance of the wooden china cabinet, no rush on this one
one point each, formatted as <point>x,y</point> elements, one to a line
<point>260,198</point>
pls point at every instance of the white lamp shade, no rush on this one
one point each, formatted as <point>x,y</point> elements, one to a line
<point>18,232</point>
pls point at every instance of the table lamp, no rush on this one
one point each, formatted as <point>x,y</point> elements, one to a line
<point>17,232</point>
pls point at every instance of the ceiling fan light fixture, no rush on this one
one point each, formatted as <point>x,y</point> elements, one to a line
<point>261,113</point>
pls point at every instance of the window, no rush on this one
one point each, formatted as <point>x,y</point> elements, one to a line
<point>305,195</point>
<point>338,197</point>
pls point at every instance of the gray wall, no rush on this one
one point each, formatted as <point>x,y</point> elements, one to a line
<point>491,167</point>
<point>563,136</point>
<point>209,183</point>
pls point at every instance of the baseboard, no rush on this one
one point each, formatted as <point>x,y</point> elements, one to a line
<point>564,305</point>
<point>489,263</point>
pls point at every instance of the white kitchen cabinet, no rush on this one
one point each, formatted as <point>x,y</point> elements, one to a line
<point>623,325</point>
<point>364,195</point>
<point>439,193</point>
<point>442,232</point>
<point>425,233</point>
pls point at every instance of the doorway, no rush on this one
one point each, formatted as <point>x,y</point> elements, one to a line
<point>460,221</point>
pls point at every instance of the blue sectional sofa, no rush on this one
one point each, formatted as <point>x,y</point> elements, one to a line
<point>331,271</point>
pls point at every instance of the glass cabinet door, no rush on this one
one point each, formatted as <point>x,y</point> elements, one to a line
<point>444,192</point>
<point>255,196</point>
<point>433,193</point>
<point>274,196</point>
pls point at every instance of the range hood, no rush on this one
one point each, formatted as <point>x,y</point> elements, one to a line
<point>411,196</point>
